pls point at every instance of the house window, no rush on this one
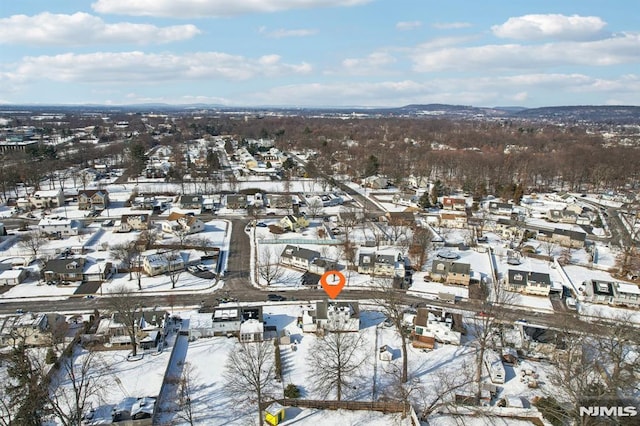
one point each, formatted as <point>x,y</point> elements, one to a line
<point>419,330</point>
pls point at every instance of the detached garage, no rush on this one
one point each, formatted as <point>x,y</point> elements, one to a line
<point>12,276</point>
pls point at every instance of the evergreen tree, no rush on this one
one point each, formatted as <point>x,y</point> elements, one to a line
<point>372,166</point>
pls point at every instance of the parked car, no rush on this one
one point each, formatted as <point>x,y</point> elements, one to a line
<point>261,225</point>
<point>275,297</point>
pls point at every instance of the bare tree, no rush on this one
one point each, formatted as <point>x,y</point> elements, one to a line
<point>549,247</point>
<point>175,266</point>
<point>269,267</point>
<point>125,306</point>
<point>484,326</point>
<point>203,243</point>
<point>186,388</point>
<point>445,386</point>
<point>33,242</point>
<point>396,230</point>
<point>315,208</point>
<point>126,254</point>
<point>335,361</point>
<point>420,244</point>
<point>6,412</point>
<point>390,301</point>
<point>80,378</point>
<point>250,373</point>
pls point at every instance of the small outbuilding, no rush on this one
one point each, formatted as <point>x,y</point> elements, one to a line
<point>274,414</point>
<point>385,354</point>
<point>12,276</point>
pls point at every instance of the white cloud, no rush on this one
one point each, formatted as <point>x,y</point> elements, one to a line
<point>85,29</point>
<point>139,67</point>
<point>621,49</point>
<point>211,8</point>
<point>450,25</point>
<point>535,89</point>
<point>282,33</point>
<point>555,26</point>
<point>370,64</point>
<point>408,25</point>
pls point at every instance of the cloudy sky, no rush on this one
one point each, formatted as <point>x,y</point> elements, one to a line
<point>319,52</point>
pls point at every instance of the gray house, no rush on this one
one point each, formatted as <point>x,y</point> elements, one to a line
<point>191,202</point>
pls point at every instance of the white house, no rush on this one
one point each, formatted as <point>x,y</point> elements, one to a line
<point>179,223</point>
<point>342,316</point>
<point>252,330</point>
<point>47,198</point>
<point>62,227</point>
<point>535,283</point>
<point>298,257</point>
<point>159,263</point>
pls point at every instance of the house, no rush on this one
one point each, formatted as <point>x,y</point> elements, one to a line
<point>47,199</point>
<point>405,218</point>
<point>381,265</point>
<point>12,276</point>
<point>563,237</point>
<point>535,283</point>
<point>277,201</point>
<point>134,222</point>
<point>190,202</point>
<point>97,270</point>
<point>59,226</point>
<point>297,257</point>
<point>180,223</point>
<point>453,220</point>
<point>508,229</point>
<point>225,321</point>
<point>626,294</point>
<point>114,330</point>
<point>456,273</point>
<point>64,270</point>
<point>611,292</point>
<point>252,330</point>
<point>499,208</point>
<point>236,201</point>
<point>564,216</point>
<point>35,328</point>
<point>93,199</point>
<point>159,263</point>
<point>450,203</point>
<point>293,222</point>
<point>375,182</point>
<point>320,265</point>
<point>439,327</point>
<point>339,316</point>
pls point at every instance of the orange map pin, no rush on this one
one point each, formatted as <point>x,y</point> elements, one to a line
<point>333,282</point>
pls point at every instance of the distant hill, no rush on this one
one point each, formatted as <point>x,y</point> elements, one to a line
<point>567,114</point>
<point>615,114</point>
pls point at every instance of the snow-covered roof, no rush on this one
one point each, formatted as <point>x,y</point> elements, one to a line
<point>11,273</point>
<point>628,288</point>
<point>251,326</point>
